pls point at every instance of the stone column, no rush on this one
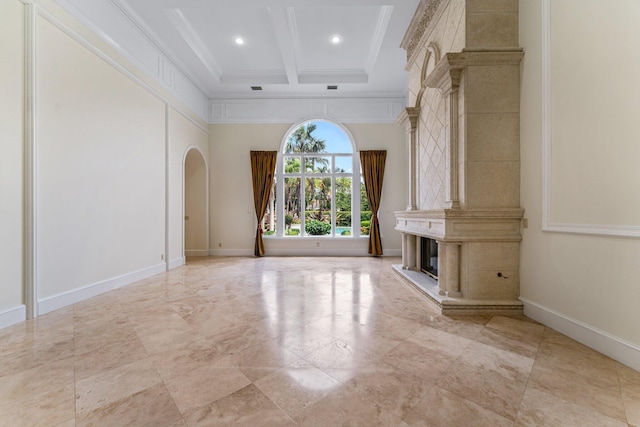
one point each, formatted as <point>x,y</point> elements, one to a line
<point>452,195</point>
<point>453,270</point>
<point>409,119</point>
<point>409,253</point>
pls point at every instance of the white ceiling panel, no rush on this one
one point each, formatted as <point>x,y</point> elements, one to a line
<point>287,50</point>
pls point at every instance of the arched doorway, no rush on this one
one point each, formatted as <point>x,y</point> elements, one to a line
<point>196,204</point>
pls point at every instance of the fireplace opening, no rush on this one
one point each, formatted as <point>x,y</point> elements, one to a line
<point>429,257</point>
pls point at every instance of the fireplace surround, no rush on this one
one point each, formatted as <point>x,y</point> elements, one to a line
<point>463,146</point>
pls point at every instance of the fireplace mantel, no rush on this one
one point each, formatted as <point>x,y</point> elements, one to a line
<point>462,224</point>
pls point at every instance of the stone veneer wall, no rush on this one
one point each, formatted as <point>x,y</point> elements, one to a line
<point>447,35</point>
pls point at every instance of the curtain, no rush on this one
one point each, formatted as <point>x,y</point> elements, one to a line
<point>263,168</point>
<point>373,173</point>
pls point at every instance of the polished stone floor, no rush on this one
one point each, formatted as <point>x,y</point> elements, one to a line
<point>298,341</point>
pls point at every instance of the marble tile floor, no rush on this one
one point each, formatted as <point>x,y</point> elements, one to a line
<point>298,341</point>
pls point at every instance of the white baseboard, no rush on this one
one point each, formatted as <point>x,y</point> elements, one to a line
<point>175,263</point>
<point>302,252</point>
<point>230,252</point>
<point>80,294</point>
<point>13,315</point>
<point>612,346</point>
<point>196,252</point>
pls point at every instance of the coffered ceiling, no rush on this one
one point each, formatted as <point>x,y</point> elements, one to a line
<point>287,50</point>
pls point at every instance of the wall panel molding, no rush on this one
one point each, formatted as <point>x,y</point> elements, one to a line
<point>547,145</point>
<point>292,110</point>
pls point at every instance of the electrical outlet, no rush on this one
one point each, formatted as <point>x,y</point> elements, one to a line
<point>219,245</point>
<point>525,222</point>
<point>161,257</point>
<point>317,244</point>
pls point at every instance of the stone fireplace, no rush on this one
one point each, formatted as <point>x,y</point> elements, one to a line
<point>463,147</point>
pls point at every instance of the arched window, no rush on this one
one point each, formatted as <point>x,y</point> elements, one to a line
<point>318,185</point>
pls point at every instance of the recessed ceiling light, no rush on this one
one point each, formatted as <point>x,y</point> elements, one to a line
<point>336,39</point>
<point>239,41</point>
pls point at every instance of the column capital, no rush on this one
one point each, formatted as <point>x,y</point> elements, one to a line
<point>409,118</point>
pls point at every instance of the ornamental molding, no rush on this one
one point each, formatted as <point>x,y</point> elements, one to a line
<point>425,14</point>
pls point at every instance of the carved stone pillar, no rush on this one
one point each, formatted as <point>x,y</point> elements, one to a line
<point>409,119</point>
<point>409,255</point>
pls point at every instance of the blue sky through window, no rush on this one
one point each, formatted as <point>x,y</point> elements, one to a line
<point>337,140</point>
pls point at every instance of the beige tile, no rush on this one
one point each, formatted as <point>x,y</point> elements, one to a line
<point>585,362</point>
<point>52,376</point>
<point>340,359</point>
<point>425,363</point>
<point>50,407</point>
<point>346,407</point>
<point>247,406</point>
<point>448,344</point>
<point>115,384</point>
<point>591,392</point>
<point>202,386</point>
<point>191,341</point>
<point>630,385</point>
<point>394,390</point>
<point>464,326</point>
<point>485,387</point>
<point>298,386</point>
<point>262,359</point>
<point>196,354</point>
<point>539,408</point>
<point>440,407</point>
<point>505,363</point>
<point>152,406</point>
<point>108,356</point>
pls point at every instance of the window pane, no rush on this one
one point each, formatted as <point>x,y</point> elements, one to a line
<point>317,164</point>
<point>365,210</point>
<point>317,195</point>
<point>343,207</point>
<point>344,164</point>
<point>292,165</point>
<point>292,206</point>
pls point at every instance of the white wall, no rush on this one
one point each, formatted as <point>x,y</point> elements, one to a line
<point>101,166</point>
<point>11,158</point>
<point>196,240</point>
<point>184,135</point>
<point>584,284</point>
<point>232,212</point>
<point>110,144</point>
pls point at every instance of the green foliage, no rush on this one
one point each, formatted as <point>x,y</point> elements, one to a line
<point>346,233</point>
<point>288,220</point>
<point>343,219</point>
<point>292,232</point>
<point>364,227</point>
<point>365,216</point>
<point>302,140</point>
<point>364,201</point>
<point>269,232</point>
<point>317,228</point>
